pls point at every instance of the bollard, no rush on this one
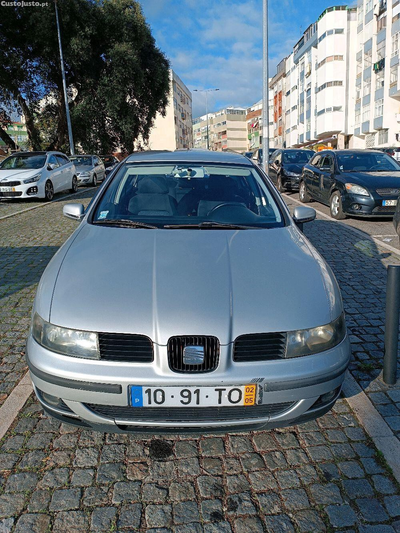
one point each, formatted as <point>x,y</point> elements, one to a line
<point>391,325</point>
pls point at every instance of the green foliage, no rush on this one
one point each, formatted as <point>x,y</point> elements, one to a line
<point>116,76</point>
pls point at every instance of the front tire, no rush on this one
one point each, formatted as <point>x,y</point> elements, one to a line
<point>94,180</point>
<point>280,185</point>
<point>74,185</point>
<point>336,208</point>
<point>48,191</point>
<point>305,198</point>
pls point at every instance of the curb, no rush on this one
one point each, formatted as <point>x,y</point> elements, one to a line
<point>14,403</point>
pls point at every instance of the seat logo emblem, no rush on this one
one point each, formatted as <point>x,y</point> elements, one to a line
<point>193,355</point>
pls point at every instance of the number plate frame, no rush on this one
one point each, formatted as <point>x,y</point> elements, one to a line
<point>7,189</point>
<point>389,203</point>
<point>203,396</point>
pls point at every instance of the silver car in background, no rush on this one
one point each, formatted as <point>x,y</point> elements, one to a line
<point>199,305</point>
<point>90,169</point>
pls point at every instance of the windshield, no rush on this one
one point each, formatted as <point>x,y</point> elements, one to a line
<point>367,162</point>
<point>24,162</point>
<point>297,156</point>
<point>172,194</point>
<point>82,160</point>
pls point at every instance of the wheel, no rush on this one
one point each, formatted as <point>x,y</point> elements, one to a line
<point>335,205</point>
<point>74,184</point>
<point>94,180</point>
<point>303,194</point>
<point>279,184</point>
<point>48,191</point>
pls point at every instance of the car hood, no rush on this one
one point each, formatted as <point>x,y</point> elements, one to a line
<point>297,169</point>
<point>162,283</point>
<point>11,175</point>
<point>373,180</point>
<point>83,168</point>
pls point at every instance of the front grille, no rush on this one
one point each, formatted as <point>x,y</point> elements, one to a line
<point>125,347</point>
<point>10,184</point>
<point>388,192</point>
<point>176,346</point>
<point>10,194</point>
<point>259,347</point>
<point>186,414</point>
<point>385,210</point>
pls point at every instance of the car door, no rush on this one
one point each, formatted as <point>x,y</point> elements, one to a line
<point>65,171</point>
<point>55,173</point>
<point>309,175</point>
<point>275,165</point>
<point>326,178</point>
<point>100,170</point>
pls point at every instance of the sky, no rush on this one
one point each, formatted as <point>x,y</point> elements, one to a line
<point>218,43</point>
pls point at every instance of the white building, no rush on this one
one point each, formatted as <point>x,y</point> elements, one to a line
<point>254,119</point>
<point>174,131</point>
<point>227,130</point>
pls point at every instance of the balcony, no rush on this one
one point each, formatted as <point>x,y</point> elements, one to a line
<point>394,90</point>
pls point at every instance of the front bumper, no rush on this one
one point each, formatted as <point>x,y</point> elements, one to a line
<point>95,393</point>
<point>292,183</point>
<point>366,206</point>
<point>25,190</point>
<point>85,180</point>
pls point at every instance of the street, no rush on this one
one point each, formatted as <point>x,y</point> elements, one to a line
<point>324,475</point>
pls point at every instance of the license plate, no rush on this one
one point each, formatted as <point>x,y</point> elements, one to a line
<point>7,189</point>
<point>387,203</point>
<point>243,395</point>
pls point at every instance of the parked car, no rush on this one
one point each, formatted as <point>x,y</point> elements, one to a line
<point>394,152</point>
<point>36,175</point>
<point>90,169</point>
<point>249,155</point>
<point>184,326</point>
<point>286,166</point>
<point>257,155</point>
<point>352,182</point>
<point>110,162</point>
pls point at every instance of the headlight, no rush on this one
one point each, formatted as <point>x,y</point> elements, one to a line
<point>292,174</point>
<point>84,174</point>
<point>356,189</point>
<point>316,340</point>
<point>34,179</point>
<point>65,341</point>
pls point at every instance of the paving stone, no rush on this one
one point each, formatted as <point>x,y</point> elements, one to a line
<point>326,494</point>
<point>220,527</point>
<point>8,461</point>
<point>237,484</point>
<point>130,516</point>
<point>295,499</point>
<point>240,444</point>
<point>270,503</point>
<point>287,440</point>
<point>34,523</point>
<point>126,492</point>
<point>341,515</point>
<point>110,472</point>
<point>158,515</point>
<point>372,510</point>
<point>275,460</point>
<point>392,504</point>
<point>65,499</point>
<point>189,466</point>
<point>39,501</point>
<point>264,442</point>
<point>82,477</point>
<point>383,485</point>
<point>22,482</point>
<point>95,496</point>
<point>136,471</point>
<point>279,524</point>
<point>371,466</point>
<point>296,457</point>
<point>342,451</point>
<point>212,446</point>
<point>210,487</point>
<point>287,479</point>
<point>186,512</point>
<point>85,457</point>
<point>240,504</point>
<point>6,525</point>
<point>358,488</point>
<point>213,466</point>
<point>32,460</point>
<point>103,518</point>
<point>181,491</point>
<point>262,481</point>
<point>309,521</point>
<point>186,449</point>
<point>11,504</point>
<point>70,521</point>
<point>112,453</point>
<point>211,510</point>
<point>252,462</point>
<point>54,478</point>
<point>351,469</point>
<point>249,524</point>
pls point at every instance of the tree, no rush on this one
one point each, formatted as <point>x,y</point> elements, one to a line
<point>116,76</point>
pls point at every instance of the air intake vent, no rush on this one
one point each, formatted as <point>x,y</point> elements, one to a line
<point>177,345</point>
<point>259,347</point>
<point>125,347</point>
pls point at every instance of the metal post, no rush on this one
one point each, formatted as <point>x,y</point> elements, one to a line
<point>71,140</point>
<point>391,325</point>
<point>208,139</point>
<point>265,114</point>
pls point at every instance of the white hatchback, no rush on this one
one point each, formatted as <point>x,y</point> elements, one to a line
<point>36,175</point>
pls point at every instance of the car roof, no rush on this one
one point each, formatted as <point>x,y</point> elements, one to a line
<point>349,151</point>
<point>37,153</point>
<point>189,156</point>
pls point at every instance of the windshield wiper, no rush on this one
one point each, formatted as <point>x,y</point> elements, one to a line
<point>124,223</point>
<point>209,225</point>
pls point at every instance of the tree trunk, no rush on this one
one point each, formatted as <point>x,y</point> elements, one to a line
<point>7,139</point>
<point>33,133</point>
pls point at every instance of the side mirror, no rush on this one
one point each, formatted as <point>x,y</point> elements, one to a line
<point>51,166</point>
<point>301,215</point>
<point>75,211</point>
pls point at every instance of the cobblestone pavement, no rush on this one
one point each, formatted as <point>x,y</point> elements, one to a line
<point>321,476</point>
<point>27,243</point>
<point>381,228</point>
<point>10,207</point>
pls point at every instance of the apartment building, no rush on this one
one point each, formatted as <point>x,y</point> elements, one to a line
<point>254,119</point>
<point>377,102</point>
<point>226,130</point>
<point>319,82</point>
<point>17,131</point>
<point>278,88</point>
<point>174,131</point>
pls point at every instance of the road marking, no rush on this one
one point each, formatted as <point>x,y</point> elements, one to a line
<point>44,204</point>
<point>14,403</point>
<point>373,423</point>
<point>358,231</point>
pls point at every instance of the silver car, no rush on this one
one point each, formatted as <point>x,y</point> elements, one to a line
<point>187,300</point>
<point>90,169</point>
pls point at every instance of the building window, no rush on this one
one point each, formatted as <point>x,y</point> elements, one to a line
<point>379,108</point>
<point>380,49</point>
<point>381,23</point>
<point>367,87</point>
<point>357,117</point>
<point>365,115</point>
<point>369,4</point>
<point>395,44</point>
<point>367,59</point>
<point>360,14</point>
<point>394,72</point>
<point>380,80</point>
<point>383,137</point>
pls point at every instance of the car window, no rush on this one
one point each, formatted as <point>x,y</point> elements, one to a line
<point>61,160</point>
<point>277,156</point>
<point>24,162</point>
<point>297,156</point>
<point>182,194</point>
<point>315,160</point>
<point>82,160</point>
<point>326,163</point>
<point>366,162</point>
<point>53,161</point>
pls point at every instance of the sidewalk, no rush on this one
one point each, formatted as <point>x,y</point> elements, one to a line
<point>360,268</point>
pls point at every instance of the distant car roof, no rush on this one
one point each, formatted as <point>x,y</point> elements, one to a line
<point>189,156</point>
<point>350,151</point>
<point>37,153</point>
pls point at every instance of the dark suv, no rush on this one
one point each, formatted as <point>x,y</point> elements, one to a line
<point>286,166</point>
